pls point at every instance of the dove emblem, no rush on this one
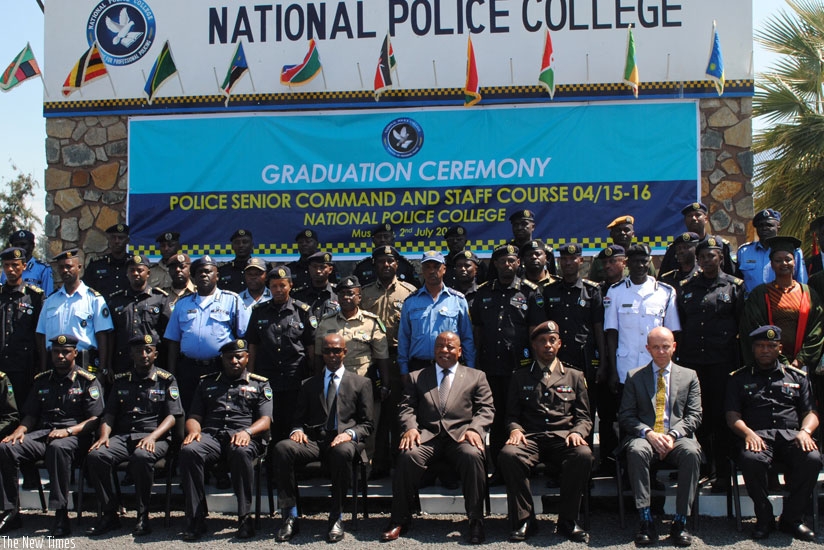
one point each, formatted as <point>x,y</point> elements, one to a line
<point>122,29</point>
<point>403,137</point>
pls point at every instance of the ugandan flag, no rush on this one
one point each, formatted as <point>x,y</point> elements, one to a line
<point>298,75</point>
<point>21,69</point>
<point>386,64</point>
<point>471,94</point>
<point>163,69</point>
<point>88,68</point>
<point>631,66</point>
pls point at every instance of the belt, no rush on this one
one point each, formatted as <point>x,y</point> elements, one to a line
<point>204,363</point>
<point>416,363</point>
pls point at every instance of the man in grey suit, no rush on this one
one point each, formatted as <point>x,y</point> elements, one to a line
<point>446,409</point>
<point>660,411</point>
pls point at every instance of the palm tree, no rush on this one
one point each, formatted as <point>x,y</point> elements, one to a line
<point>790,98</point>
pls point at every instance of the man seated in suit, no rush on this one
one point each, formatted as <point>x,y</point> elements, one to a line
<point>660,411</point>
<point>445,410</point>
<point>332,421</point>
<point>548,419</point>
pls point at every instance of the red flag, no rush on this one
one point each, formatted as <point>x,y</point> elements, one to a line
<point>471,93</point>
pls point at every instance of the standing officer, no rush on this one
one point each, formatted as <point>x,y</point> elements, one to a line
<point>455,238</point>
<point>534,262</point>
<point>107,274</point>
<point>281,336</point>
<point>199,326</point>
<point>770,407</point>
<point>465,275</point>
<point>319,294</point>
<point>77,310</point>
<point>230,418</point>
<point>307,241</point>
<point>432,309</point>
<point>384,235</point>
<point>64,404</point>
<point>622,233</point>
<point>548,420</point>
<point>21,304</point>
<point>230,274</point>
<point>256,291</point>
<point>169,245</point>
<point>523,226</point>
<point>143,406</point>
<point>696,221</point>
<point>136,311</point>
<point>684,247</point>
<point>36,272</point>
<point>754,257</point>
<point>179,270</point>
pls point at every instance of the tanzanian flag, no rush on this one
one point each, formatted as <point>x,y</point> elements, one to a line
<point>164,68</point>
<point>22,68</point>
<point>631,65</point>
<point>297,75</point>
<point>471,90</point>
<point>715,67</point>
<point>88,68</point>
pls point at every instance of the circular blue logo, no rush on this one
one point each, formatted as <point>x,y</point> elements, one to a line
<point>123,29</point>
<point>403,137</point>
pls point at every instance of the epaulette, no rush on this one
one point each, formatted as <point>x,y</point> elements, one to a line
<point>207,375</point>
<point>665,285</point>
<point>44,373</point>
<point>483,284</point>
<point>408,286</point>
<point>303,306</point>
<point>529,284</point>
<point>368,314</point>
<point>2,375</point>
<point>736,371</point>
<point>160,291</point>
<point>622,281</point>
<point>94,292</point>
<point>164,374</point>
<point>329,315</point>
<point>457,293</point>
<point>34,288</point>
<point>725,241</point>
<point>682,282</point>
<point>85,374</point>
<point>590,283</point>
<point>123,375</point>
<point>736,281</point>
<point>230,293</point>
<point>795,370</point>
<point>259,378</point>
<point>667,274</point>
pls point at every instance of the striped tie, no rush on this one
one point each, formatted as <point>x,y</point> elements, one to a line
<point>443,390</point>
<point>660,402</point>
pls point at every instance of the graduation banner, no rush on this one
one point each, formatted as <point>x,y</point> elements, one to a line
<point>422,171</point>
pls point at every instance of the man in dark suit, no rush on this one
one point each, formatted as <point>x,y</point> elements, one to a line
<point>332,421</point>
<point>445,411</point>
<point>660,411</point>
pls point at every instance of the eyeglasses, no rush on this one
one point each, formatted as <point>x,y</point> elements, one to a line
<point>332,351</point>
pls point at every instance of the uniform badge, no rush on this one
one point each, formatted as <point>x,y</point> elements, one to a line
<point>539,300</point>
<point>83,323</point>
<point>10,390</point>
<point>174,393</point>
<point>582,302</point>
<point>105,312</point>
<point>267,393</point>
<point>607,301</point>
<point>94,393</point>
<point>313,321</point>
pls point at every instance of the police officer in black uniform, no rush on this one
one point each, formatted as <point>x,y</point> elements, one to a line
<point>64,405</point>
<point>523,227</point>
<point>709,307</point>
<point>9,419</point>
<point>281,336</point>
<point>142,408</point>
<point>230,274</point>
<point>307,241</point>
<point>229,418</point>
<point>465,275</point>
<point>534,257</point>
<point>455,238</point>
<point>137,310</point>
<point>319,293</point>
<point>684,246</point>
<point>695,220</point>
<point>384,235</point>
<point>107,274</point>
<point>770,408</point>
<point>20,305</point>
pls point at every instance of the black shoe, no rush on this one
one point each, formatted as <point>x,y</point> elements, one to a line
<point>679,535</point>
<point>194,529</point>
<point>646,535</point>
<point>223,481</point>
<point>524,530</point>
<point>798,531</point>
<point>106,523</point>
<point>288,530</point>
<point>335,533</point>
<point>572,531</point>
<point>245,528</point>
<point>720,487</point>
<point>61,527</point>
<point>11,520</point>
<point>762,530</point>
<point>476,531</point>
<point>142,527</point>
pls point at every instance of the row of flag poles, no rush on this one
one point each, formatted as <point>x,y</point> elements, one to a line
<point>90,67</point>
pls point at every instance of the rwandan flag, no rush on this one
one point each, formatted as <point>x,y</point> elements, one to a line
<point>236,70</point>
<point>298,75</point>
<point>631,66</point>
<point>715,67</point>
<point>88,68</point>
<point>471,90</point>
<point>22,68</point>
<point>164,68</point>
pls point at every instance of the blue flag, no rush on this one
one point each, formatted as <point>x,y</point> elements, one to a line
<point>715,67</point>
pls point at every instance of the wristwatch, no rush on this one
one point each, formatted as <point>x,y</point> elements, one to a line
<point>248,431</point>
<point>809,432</point>
<point>69,431</point>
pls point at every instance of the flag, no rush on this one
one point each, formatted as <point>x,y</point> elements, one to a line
<point>631,67</point>
<point>162,70</point>
<point>471,95</point>
<point>22,68</point>
<point>298,75</point>
<point>547,76</point>
<point>236,70</point>
<point>386,64</point>
<point>715,67</point>
<point>88,68</point>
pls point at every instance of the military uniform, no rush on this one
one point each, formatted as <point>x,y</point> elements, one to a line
<point>55,402</point>
<point>365,337</point>
<point>159,276</point>
<point>547,407</point>
<point>576,309</point>
<point>20,308</point>
<point>669,263</point>
<point>107,275</point>
<point>365,272</point>
<point>37,274</point>
<point>387,302</point>
<point>451,258</point>
<point>135,313</point>
<point>9,417</point>
<point>675,277</point>
<point>230,276</point>
<point>135,407</point>
<point>224,406</point>
<point>322,301</point>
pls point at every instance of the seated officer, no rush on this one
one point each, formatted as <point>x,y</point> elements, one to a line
<point>64,404</point>
<point>140,411</point>
<point>229,417</point>
<point>548,419</point>
<point>771,408</point>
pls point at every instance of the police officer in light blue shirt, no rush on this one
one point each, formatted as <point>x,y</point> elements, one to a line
<point>431,310</point>
<point>36,273</point>
<point>256,291</point>
<point>200,325</point>
<point>754,257</point>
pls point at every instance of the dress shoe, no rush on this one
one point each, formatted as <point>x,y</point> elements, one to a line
<point>335,533</point>
<point>289,529</point>
<point>646,535</point>
<point>679,535</point>
<point>572,531</point>
<point>798,531</point>
<point>142,527</point>
<point>762,530</point>
<point>524,530</point>
<point>394,531</point>
<point>476,531</point>
<point>11,520</point>
<point>194,529</point>
<point>106,523</point>
<point>245,527</point>
<point>61,527</point>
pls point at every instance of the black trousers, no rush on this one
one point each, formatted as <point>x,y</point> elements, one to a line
<point>188,375</point>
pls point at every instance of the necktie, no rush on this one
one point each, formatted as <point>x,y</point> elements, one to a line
<point>660,402</point>
<point>331,408</point>
<point>443,389</point>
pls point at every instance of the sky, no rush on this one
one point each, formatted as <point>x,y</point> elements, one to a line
<point>22,141</point>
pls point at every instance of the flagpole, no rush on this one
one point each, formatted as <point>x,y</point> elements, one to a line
<point>587,68</point>
<point>360,76</point>
<point>251,80</point>
<point>144,79</point>
<point>435,72</point>
<point>111,82</point>
<point>323,76</point>
<point>511,73</point>
<point>668,66</point>
<point>45,90</point>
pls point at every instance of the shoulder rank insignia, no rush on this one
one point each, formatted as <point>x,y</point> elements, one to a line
<point>736,371</point>
<point>795,370</point>
<point>44,373</point>
<point>529,284</point>
<point>85,374</point>
<point>166,375</point>
<point>259,378</point>
<point>34,288</point>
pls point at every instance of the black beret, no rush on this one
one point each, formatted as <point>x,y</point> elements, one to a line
<point>64,340</point>
<point>385,251</point>
<point>687,237</point>
<point>710,242</point>
<point>309,233</point>
<point>528,215</point>
<point>280,272</point>
<point>456,231</point>
<point>767,332</point>
<point>469,255</point>
<point>638,250</point>
<point>139,260</point>
<point>320,257</point>
<point>693,207</point>
<point>202,262</point>
<point>144,339</point>
<point>504,250</point>
<point>382,228</point>
<point>348,282</point>
<point>766,214</point>
<point>536,244</point>
<point>118,228</point>
<point>67,254</point>
<point>168,237</point>
<point>21,235</point>
<point>234,345</point>
<point>240,233</point>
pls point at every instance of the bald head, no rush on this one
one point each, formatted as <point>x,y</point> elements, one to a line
<point>661,346</point>
<point>333,351</point>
